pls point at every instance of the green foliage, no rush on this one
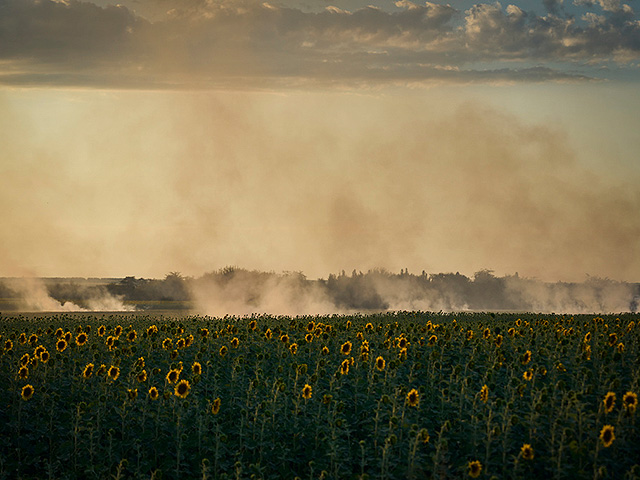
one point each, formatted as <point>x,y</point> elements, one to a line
<point>244,414</point>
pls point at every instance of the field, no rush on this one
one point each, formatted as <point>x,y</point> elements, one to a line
<point>385,396</point>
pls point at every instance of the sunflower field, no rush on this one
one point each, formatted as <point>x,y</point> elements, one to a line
<point>382,396</point>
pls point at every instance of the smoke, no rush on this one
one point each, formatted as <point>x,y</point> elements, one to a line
<point>30,294</point>
<point>241,292</point>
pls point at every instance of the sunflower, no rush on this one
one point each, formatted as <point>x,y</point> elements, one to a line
<point>131,336</point>
<point>345,349</point>
<point>152,330</point>
<point>33,339</point>
<point>526,451</point>
<point>364,348</point>
<point>344,367</point>
<point>423,435</point>
<point>325,350</point>
<point>44,356</point>
<point>527,375</point>
<point>630,401</point>
<point>293,348</point>
<point>587,337</point>
<point>252,325</point>
<point>8,345</point>
<point>348,324</point>
<point>81,339</point>
<point>402,354</point>
<point>196,368</point>
<point>118,331</point>
<point>511,332</point>
<point>235,342</point>
<point>380,364</point>
<point>484,394</point>
<point>215,406</point>
<point>620,347</point>
<point>167,344</point>
<point>142,376</point>
<point>607,435</point>
<point>613,338</point>
<point>182,389</point>
<point>284,338</point>
<point>486,333</point>
<point>498,340</point>
<point>526,357</point>
<point>469,334</point>
<point>402,342</point>
<point>173,375</point>
<point>413,398</point>
<point>110,342</point>
<point>61,345</point>
<point>102,330</point>
<point>518,322</point>
<point>88,370</point>
<point>306,392</point>
<point>133,393</point>
<point>153,393</point>
<point>223,351</point>
<point>433,339</point>
<point>268,334</point>
<point>59,332</point>
<point>475,467</point>
<point>368,326</point>
<point>113,373</point>
<point>308,337</point>
<point>101,369</point>
<point>22,338</point>
<point>24,359</point>
<point>181,343</point>
<point>23,373</point>
<point>27,392</point>
<point>609,402</point>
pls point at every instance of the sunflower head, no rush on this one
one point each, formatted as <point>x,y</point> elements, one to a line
<point>306,392</point>
<point>181,343</point>
<point>268,334</point>
<point>609,402</point>
<point>113,373</point>
<point>484,394</point>
<point>311,326</point>
<point>196,368</point>
<point>486,333</point>
<point>141,376</point>
<point>131,336</point>
<point>223,350</point>
<point>61,345</point>
<point>613,339</point>
<point>27,392</point>
<point>526,451</point>
<point>433,339</point>
<point>498,340</point>
<point>293,348</point>
<point>474,468</point>
<point>182,389</point>
<point>23,373</point>
<point>526,357</point>
<point>325,350</point>
<point>607,435</point>
<point>235,342</point>
<point>44,356</point>
<point>132,393</point>
<point>33,339</point>
<point>344,367</point>
<point>469,334</point>
<point>167,344</point>
<point>413,398</point>
<point>630,401</point>
<point>284,338</point>
<point>380,364</point>
<point>308,338</point>
<point>173,375</point>
<point>153,393</point>
<point>118,331</point>
<point>215,406</point>
<point>22,338</point>
<point>88,370</point>
<point>102,330</point>
<point>252,325</point>
<point>527,375</point>
<point>8,345</point>
<point>345,349</point>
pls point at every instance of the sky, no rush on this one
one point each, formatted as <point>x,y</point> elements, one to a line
<point>157,136</point>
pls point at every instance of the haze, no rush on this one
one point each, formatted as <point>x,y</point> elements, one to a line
<point>185,136</point>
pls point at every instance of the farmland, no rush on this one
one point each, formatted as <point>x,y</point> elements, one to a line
<point>380,396</point>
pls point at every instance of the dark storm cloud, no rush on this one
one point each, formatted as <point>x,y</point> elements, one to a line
<point>203,43</point>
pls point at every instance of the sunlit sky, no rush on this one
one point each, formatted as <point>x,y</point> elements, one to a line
<point>316,136</point>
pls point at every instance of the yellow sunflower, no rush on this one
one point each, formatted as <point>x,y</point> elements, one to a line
<point>132,335</point>
<point>153,393</point>
<point>413,398</point>
<point>196,368</point>
<point>484,394</point>
<point>345,349</point>
<point>306,392</point>
<point>88,370</point>
<point>380,363</point>
<point>630,401</point>
<point>81,339</point>
<point>607,435</point>
<point>215,406</point>
<point>526,451</point>
<point>609,402</point>
<point>141,376</point>
<point>475,467</point>
<point>526,357</point>
<point>27,392</point>
<point>61,345</point>
<point>293,348</point>
<point>344,367</point>
<point>102,330</point>
<point>113,373</point>
<point>182,389</point>
<point>173,375</point>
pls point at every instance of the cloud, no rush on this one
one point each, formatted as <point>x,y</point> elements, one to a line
<point>201,43</point>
